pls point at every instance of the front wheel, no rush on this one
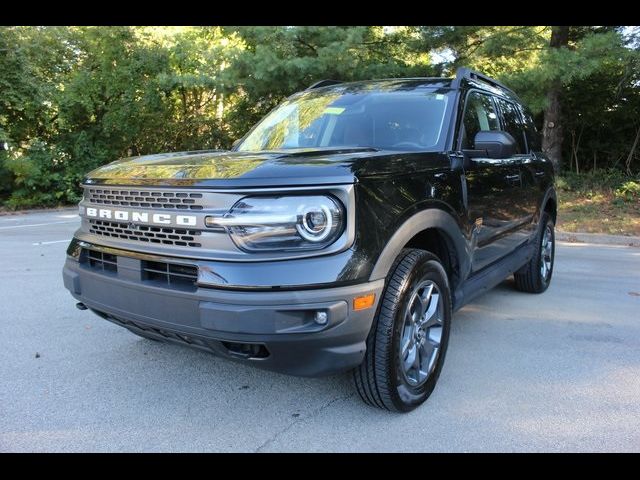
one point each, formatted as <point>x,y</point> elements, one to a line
<point>408,340</point>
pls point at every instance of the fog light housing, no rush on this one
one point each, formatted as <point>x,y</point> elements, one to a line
<point>321,318</point>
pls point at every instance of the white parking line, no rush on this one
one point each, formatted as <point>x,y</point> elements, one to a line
<point>35,225</point>
<point>54,241</point>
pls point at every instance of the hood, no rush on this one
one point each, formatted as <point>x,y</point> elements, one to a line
<point>229,169</point>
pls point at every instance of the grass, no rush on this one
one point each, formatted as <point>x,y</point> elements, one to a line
<point>600,202</point>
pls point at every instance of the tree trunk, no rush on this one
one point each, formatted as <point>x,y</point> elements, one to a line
<point>552,129</point>
<point>632,152</point>
<point>575,151</point>
<point>220,107</point>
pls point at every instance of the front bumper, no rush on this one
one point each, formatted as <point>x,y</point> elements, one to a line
<point>274,330</point>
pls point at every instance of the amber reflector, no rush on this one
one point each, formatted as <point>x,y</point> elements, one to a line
<point>365,301</point>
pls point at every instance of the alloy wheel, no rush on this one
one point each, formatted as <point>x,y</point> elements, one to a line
<point>421,333</point>
<point>546,253</point>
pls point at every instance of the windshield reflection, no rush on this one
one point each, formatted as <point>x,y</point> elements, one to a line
<point>392,116</point>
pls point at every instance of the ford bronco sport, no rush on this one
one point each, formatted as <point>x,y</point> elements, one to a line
<point>339,234</point>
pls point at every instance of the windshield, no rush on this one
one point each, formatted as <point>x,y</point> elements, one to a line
<point>400,118</point>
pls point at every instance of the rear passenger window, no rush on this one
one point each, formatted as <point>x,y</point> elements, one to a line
<point>513,123</point>
<point>479,115</point>
<point>531,132</point>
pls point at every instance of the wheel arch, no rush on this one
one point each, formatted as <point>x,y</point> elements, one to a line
<point>550,204</point>
<point>436,231</point>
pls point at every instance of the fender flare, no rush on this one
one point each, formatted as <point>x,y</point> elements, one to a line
<point>549,194</point>
<point>430,218</point>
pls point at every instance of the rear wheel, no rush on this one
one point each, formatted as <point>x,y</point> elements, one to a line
<point>535,276</point>
<point>408,340</point>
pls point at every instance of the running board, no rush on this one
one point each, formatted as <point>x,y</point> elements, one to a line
<point>492,275</point>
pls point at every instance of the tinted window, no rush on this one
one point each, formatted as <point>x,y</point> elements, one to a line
<point>513,123</point>
<point>479,115</point>
<point>402,119</point>
<point>531,132</point>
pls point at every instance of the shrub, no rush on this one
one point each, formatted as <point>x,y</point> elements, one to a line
<point>593,180</point>
<point>42,178</point>
<point>629,191</point>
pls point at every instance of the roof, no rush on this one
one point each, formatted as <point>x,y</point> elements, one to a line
<point>463,76</point>
<point>384,83</point>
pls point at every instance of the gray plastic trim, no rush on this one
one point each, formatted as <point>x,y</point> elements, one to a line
<point>431,218</point>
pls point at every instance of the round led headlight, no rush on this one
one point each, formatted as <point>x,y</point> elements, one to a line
<point>316,222</point>
<point>283,223</point>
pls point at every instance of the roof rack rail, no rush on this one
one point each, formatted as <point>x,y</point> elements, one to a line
<point>465,72</point>
<point>324,83</point>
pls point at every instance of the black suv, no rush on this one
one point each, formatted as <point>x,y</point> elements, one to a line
<point>339,234</point>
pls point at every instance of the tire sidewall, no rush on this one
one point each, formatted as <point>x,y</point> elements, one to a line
<point>406,396</point>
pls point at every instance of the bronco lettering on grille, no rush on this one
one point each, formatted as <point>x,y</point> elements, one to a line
<point>142,217</point>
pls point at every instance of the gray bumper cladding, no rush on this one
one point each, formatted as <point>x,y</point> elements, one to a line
<point>302,332</point>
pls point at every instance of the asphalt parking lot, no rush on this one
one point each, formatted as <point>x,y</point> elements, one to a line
<point>552,372</point>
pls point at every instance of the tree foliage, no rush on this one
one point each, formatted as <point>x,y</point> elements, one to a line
<point>598,73</point>
<point>74,98</point>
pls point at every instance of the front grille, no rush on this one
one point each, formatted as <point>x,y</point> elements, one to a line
<point>144,199</point>
<point>169,236</point>
<point>104,262</point>
<point>170,274</point>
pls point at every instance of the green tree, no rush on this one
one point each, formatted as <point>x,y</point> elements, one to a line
<point>74,98</point>
<point>278,61</point>
<point>549,66</point>
<point>32,60</point>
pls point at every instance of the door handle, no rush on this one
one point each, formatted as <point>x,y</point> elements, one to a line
<point>539,174</point>
<point>511,178</point>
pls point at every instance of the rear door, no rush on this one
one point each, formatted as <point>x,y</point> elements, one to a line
<point>524,160</point>
<point>493,186</point>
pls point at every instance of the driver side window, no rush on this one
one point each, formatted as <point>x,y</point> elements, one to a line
<point>479,115</point>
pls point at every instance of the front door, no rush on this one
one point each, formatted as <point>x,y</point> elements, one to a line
<point>493,187</point>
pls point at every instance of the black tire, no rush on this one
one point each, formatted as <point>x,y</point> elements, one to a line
<point>381,379</point>
<point>530,277</point>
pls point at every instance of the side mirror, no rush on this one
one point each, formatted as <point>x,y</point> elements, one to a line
<point>4,145</point>
<point>497,143</point>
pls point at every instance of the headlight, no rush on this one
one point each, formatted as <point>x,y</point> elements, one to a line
<point>283,222</point>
